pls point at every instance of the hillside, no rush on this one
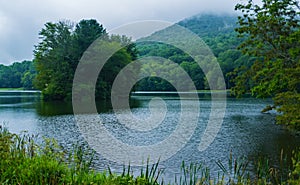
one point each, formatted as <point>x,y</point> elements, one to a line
<point>217,31</point>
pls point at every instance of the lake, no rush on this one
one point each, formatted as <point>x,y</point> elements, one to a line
<point>245,132</point>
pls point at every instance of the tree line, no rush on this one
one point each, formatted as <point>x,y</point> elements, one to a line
<point>17,75</point>
<point>62,45</point>
<point>260,54</point>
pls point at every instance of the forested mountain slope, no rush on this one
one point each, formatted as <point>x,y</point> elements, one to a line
<point>217,31</point>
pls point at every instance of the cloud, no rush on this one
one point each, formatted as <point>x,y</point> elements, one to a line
<point>20,21</point>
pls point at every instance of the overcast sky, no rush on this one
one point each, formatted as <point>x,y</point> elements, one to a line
<point>21,20</point>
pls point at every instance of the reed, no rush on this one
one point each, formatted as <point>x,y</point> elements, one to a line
<point>25,162</point>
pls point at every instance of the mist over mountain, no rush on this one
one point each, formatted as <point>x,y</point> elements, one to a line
<point>210,24</point>
<point>218,33</point>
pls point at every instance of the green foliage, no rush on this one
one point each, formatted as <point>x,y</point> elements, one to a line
<point>288,103</point>
<point>59,51</point>
<point>193,174</point>
<point>218,33</point>
<point>17,75</point>
<point>295,176</point>
<point>272,36</point>
<point>169,52</point>
<point>236,173</point>
<point>52,60</point>
<point>25,162</point>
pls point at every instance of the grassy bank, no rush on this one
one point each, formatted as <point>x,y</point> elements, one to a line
<point>25,162</point>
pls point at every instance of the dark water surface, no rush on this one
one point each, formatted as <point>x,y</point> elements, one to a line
<point>245,130</point>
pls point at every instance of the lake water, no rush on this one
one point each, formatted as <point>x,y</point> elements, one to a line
<point>245,130</point>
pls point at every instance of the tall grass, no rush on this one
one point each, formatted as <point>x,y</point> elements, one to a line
<point>25,162</point>
<point>235,173</point>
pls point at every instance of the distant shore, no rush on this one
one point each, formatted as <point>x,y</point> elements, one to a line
<point>17,90</point>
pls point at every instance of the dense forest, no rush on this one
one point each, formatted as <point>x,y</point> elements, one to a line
<point>218,32</point>
<point>17,75</point>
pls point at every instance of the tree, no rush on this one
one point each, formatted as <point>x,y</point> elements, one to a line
<point>52,59</point>
<point>59,52</point>
<point>272,36</point>
<point>12,76</point>
<point>29,76</point>
<point>86,32</point>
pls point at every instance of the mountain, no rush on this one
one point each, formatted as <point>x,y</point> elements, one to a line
<point>217,31</point>
<point>209,24</point>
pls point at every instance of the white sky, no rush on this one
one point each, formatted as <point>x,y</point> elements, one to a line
<point>21,20</point>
